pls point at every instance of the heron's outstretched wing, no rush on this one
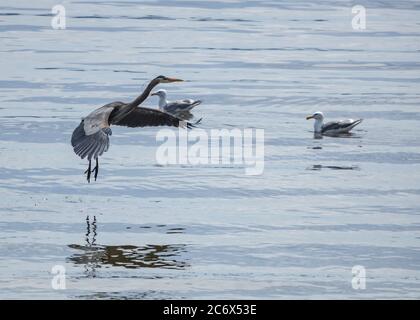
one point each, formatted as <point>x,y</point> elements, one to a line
<point>91,138</point>
<point>181,105</point>
<point>146,117</point>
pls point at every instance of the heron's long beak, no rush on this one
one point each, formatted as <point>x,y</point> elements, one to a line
<point>169,80</point>
<point>309,117</point>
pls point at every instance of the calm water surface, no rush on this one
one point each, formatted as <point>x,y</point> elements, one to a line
<point>146,231</point>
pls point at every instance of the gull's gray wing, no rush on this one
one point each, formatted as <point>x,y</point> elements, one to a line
<point>181,105</point>
<point>340,126</point>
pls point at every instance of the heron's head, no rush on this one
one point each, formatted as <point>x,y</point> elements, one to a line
<point>160,93</point>
<point>163,79</point>
<point>317,116</point>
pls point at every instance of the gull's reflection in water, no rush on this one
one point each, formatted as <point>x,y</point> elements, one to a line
<point>94,256</point>
<point>318,135</point>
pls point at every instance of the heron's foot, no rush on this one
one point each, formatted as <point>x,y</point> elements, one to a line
<point>96,169</point>
<point>88,172</point>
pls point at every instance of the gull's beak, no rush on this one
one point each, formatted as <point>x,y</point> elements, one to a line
<point>154,94</point>
<point>169,80</point>
<point>309,117</point>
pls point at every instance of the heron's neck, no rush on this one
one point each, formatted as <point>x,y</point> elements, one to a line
<point>318,125</point>
<point>123,112</point>
<point>144,95</point>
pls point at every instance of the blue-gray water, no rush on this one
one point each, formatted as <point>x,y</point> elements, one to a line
<point>210,231</point>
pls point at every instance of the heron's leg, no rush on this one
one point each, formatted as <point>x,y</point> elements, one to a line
<point>88,171</point>
<point>96,169</point>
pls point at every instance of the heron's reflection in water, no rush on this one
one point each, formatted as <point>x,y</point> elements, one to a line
<point>94,256</point>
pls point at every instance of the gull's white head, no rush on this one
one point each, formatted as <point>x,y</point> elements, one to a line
<point>319,119</point>
<point>317,116</point>
<point>160,93</point>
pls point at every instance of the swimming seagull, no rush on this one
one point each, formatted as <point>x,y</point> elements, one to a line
<point>174,107</point>
<point>333,127</point>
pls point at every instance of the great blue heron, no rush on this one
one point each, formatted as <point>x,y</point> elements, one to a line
<point>174,107</point>
<point>333,127</point>
<point>91,138</point>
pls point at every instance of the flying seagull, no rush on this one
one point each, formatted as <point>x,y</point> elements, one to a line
<point>91,138</point>
<point>333,127</point>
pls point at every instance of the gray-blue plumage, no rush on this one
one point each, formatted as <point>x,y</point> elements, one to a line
<point>90,139</point>
<point>90,146</point>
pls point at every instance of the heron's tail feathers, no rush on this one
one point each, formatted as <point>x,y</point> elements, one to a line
<point>189,125</point>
